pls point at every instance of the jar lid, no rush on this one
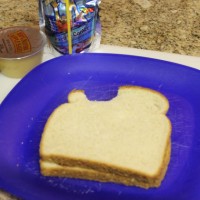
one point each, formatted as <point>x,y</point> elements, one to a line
<point>19,42</point>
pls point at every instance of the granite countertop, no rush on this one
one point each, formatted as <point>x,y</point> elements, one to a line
<point>169,26</point>
<point>13,13</point>
<point>161,25</point>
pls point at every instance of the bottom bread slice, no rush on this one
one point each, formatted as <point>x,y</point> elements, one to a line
<point>52,169</point>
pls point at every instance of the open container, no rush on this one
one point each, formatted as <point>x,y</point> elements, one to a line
<point>21,49</point>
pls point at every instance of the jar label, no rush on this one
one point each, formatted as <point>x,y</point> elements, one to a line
<point>20,42</point>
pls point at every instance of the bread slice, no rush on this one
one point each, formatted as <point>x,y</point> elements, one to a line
<point>128,136</point>
<point>53,169</point>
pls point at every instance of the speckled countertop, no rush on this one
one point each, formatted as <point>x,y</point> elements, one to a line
<point>162,25</point>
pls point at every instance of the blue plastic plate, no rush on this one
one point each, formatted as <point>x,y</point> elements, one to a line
<point>25,110</point>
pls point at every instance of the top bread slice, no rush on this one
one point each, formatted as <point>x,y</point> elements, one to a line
<point>127,136</point>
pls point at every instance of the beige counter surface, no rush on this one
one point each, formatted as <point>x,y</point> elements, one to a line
<point>162,25</point>
<point>18,13</point>
<point>167,26</point>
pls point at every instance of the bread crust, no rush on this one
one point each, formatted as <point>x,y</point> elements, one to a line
<point>150,90</point>
<point>105,175</point>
